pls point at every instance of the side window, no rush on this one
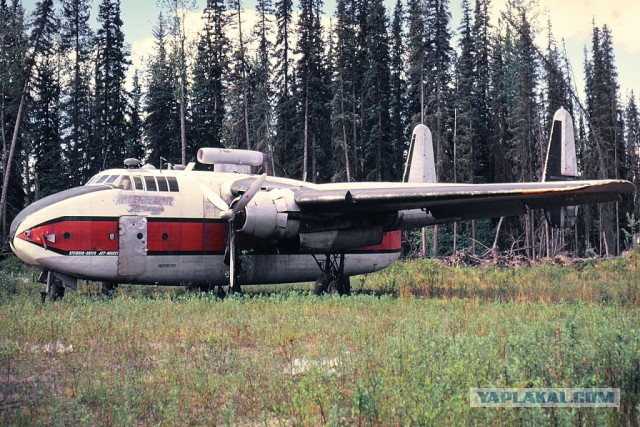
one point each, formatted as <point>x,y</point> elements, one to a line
<point>151,183</point>
<point>102,179</point>
<point>137,181</point>
<point>162,183</point>
<point>173,184</point>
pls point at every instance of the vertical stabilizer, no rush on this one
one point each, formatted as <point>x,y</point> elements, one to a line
<point>561,165</point>
<point>421,165</point>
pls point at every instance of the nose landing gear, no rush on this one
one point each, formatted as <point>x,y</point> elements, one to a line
<point>55,287</point>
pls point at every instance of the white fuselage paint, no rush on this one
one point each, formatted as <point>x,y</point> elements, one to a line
<point>57,229</point>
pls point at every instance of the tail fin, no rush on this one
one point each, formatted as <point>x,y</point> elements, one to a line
<point>421,165</point>
<point>561,165</point>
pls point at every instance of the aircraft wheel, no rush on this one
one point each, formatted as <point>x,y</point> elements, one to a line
<point>56,290</point>
<point>322,284</point>
<point>221,293</point>
<point>108,288</point>
<point>344,285</point>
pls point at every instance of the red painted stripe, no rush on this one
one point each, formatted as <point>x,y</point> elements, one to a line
<point>391,241</point>
<point>186,236</point>
<point>162,237</point>
<point>76,235</point>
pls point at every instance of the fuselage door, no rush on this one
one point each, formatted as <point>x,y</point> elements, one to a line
<point>132,242</point>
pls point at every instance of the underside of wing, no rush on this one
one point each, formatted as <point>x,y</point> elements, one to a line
<point>459,201</point>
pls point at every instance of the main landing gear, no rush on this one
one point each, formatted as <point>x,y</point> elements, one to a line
<point>108,289</point>
<point>332,279</point>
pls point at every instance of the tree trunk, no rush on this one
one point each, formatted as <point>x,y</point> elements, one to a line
<point>12,149</point>
<point>45,9</point>
<point>494,247</point>
<point>305,149</point>
<point>183,124</point>
<point>344,136</point>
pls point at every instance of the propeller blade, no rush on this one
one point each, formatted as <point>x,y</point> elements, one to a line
<point>213,197</point>
<point>232,258</point>
<point>246,197</point>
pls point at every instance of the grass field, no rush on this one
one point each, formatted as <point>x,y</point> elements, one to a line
<point>404,350</point>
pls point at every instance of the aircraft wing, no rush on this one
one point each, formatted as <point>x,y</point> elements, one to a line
<point>458,201</point>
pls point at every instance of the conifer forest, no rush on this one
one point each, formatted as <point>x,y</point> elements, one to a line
<point>328,95</point>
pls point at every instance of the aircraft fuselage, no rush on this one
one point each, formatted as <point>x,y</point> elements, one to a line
<point>157,227</point>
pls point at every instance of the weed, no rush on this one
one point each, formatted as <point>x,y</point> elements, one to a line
<point>372,358</point>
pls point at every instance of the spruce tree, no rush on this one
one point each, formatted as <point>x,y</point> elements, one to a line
<point>76,42</point>
<point>398,113</point>
<point>344,118</point>
<point>162,122</point>
<point>13,50</point>
<point>313,95</point>
<point>285,133</point>
<point>606,149</point>
<point>134,144</point>
<point>482,84</point>
<point>40,42</point>
<point>416,56</point>
<point>632,137</point>
<point>378,153</point>
<point>110,102</point>
<point>45,130</point>
<point>210,69</point>
<point>260,111</point>
<point>465,113</point>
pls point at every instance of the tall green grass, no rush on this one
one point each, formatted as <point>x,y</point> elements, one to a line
<point>295,359</point>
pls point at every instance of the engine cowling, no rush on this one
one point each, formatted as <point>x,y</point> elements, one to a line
<point>267,215</point>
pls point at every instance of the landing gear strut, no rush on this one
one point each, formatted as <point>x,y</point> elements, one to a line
<point>55,288</point>
<point>108,289</point>
<point>332,279</point>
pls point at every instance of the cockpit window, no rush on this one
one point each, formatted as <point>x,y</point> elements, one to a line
<point>124,183</point>
<point>137,181</point>
<point>162,183</point>
<point>111,179</point>
<point>151,183</point>
<point>101,179</point>
<point>173,184</point>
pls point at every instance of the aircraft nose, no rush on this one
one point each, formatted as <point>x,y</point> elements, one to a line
<point>17,245</point>
<point>32,215</point>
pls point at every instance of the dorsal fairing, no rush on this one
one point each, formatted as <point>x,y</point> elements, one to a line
<point>228,160</point>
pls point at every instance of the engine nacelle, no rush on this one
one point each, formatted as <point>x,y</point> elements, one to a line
<point>340,240</point>
<point>267,215</point>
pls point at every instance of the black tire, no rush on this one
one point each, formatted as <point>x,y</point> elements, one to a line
<point>108,288</point>
<point>221,293</point>
<point>344,286</point>
<point>56,291</point>
<point>322,284</point>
